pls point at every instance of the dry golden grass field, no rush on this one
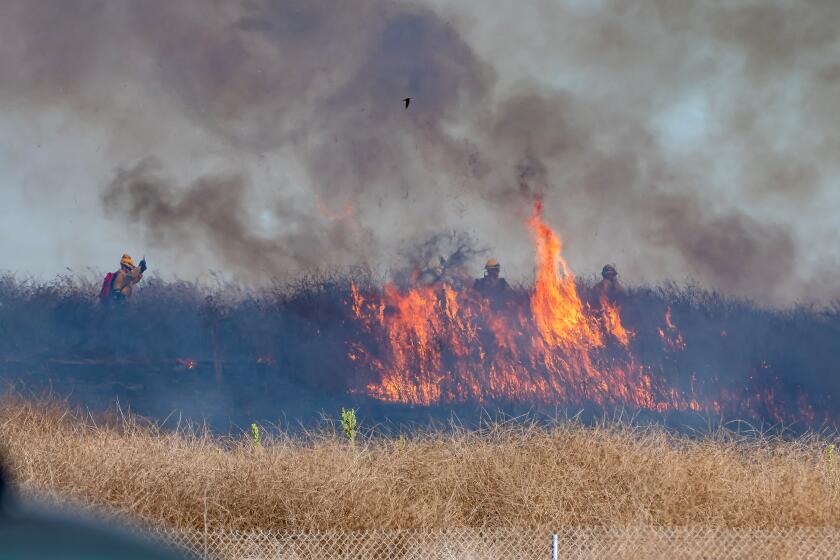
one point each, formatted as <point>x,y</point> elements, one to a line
<point>507,474</point>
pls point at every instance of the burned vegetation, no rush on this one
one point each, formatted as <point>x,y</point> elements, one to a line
<point>433,343</point>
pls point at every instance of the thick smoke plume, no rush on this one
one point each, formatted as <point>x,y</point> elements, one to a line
<point>211,209</point>
<point>674,138</point>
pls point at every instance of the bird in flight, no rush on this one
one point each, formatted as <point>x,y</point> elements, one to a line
<point>407,100</point>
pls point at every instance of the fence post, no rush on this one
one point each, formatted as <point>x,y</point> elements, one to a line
<point>205,522</point>
<point>554,547</point>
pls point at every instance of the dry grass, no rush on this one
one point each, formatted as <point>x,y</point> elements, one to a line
<point>502,476</point>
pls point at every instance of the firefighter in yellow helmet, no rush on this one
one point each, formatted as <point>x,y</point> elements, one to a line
<point>126,277</point>
<point>609,288</point>
<point>491,283</point>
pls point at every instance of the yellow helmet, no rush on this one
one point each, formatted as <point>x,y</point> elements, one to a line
<point>492,263</point>
<point>126,260</point>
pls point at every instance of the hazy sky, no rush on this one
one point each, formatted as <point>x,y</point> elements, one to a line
<point>676,139</point>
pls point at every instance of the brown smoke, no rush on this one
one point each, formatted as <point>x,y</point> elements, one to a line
<point>563,100</point>
<point>211,210</point>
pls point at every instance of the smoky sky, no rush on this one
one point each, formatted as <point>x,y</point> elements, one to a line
<point>678,140</point>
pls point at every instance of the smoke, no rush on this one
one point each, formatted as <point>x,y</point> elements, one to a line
<point>441,256</point>
<point>211,210</point>
<point>675,139</point>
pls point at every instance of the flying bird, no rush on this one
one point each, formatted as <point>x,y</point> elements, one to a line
<point>407,101</point>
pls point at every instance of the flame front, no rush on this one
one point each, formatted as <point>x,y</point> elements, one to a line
<point>558,312</point>
<point>441,344</point>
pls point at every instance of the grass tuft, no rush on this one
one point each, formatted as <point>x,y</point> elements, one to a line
<point>503,474</point>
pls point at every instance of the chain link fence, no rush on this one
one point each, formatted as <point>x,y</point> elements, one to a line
<point>508,544</point>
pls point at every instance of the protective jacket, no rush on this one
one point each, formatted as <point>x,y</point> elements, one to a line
<point>124,280</point>
<point>610,290</point>
<point>491,285</point>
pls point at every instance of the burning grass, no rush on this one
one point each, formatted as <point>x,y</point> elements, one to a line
<point>439,342</point>
<point>342,334</point>
<point>431,340</point>
<point>505,474</point>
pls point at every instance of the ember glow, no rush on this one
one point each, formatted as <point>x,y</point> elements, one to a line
<point>672,339</point>
<point>440,343</point>
<point>186,363</point>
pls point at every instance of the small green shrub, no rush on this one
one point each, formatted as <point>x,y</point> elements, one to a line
<point>349,424</point>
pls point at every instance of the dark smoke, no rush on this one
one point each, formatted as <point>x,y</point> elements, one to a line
<point>282,139</point>
<point>735,249</point>
<point>211,212</point>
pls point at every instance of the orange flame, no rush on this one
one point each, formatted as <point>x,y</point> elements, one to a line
<point>672,338</point>
<point>186,363</point>
<point>558,311</point>
<point>612,322</point>
<point>432,344</point>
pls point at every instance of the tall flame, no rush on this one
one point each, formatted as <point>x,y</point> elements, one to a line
<point>558,311</point>
<point>431,344</point>
<point>440,343</point>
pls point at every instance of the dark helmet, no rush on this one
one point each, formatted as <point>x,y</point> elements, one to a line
<point>608,271</point>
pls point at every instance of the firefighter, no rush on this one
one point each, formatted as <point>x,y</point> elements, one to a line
<point>609,288</point>
<point>125,279</point>
<point>491,283</point>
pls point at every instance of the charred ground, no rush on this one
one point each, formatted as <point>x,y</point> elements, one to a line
<point>230,355</point>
